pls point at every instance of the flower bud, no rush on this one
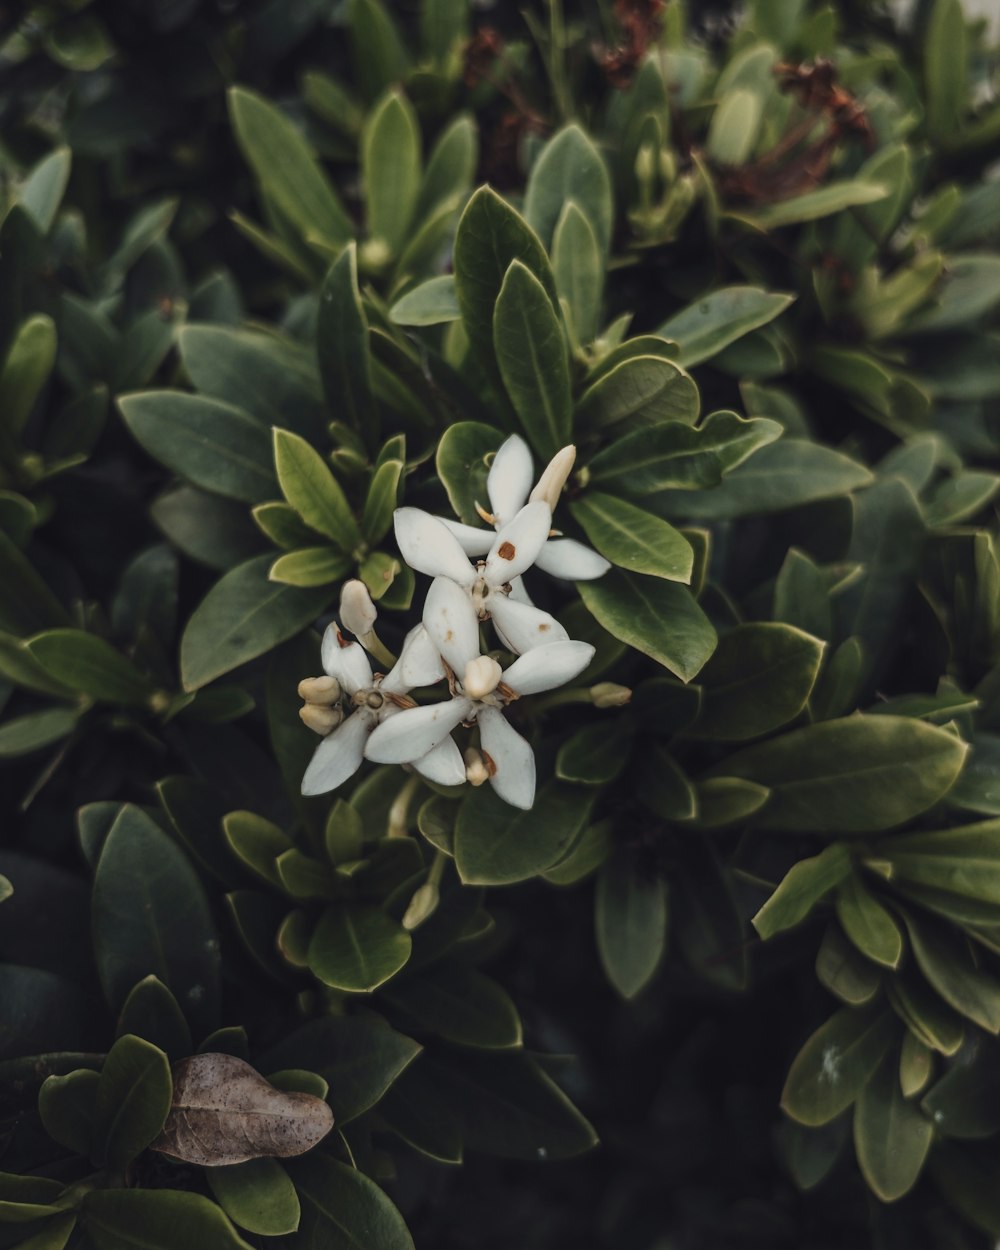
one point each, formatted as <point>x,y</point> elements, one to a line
<point>476,772</point>
<point>423,905</point>
<point>357,612</point>
<point>610,694</point>
<point>553,479</point>
<point>323,691</point>
<point>321,720</point>
<point>482,676</point>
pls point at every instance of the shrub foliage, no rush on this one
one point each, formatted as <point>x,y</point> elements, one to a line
<point>270,273</point>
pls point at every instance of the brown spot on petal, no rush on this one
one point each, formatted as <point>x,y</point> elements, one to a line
<point>449,636</point>
<point>543,627</point>
<point>341,640</point>
<point>488,760</point>
<point>507,551</point>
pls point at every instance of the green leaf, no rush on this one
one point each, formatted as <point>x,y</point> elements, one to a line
<point>659,618</point>
<point>801,596</point>
<point>381,500</point>
<point>457,1004</point>
<point>210,444</point>
<point>157,1219</point>
<point>675,456</point>
<point>208,529</point>
<point>132,1101</point>
<point>570,168</point>
<point>585,856</point>
<point>924,1013</point>
<point>944,957</point>
<point>724,801</point>
<point>632,538</point>
<point>643,389</point>
<point>451,165</point>
<point>149,915</point>
<point>269,376</point>
<point>835,197</point>
<point>945,68</point>
<point>25,371</point>
<point>256,842</point>
<point>579,271</point>
<point>343,1210</point>
<point>286,169</point>
<point>432,303</point>
<point>390,168</point>
<point>965,1102</point>
<point>593,756</point>
<point>313,491</point>
<point>309,566</point>
<point>244,615</point>
<point>90,665</point>
<point>152,1013</point>
<point>960,498</point>
<point>282,524</point>
<point>356,948</point>
<point>892,1137</point>
<point>758,679</point>
<point>835,1064</point>
<point>787,474</point>
<point>844,971</point>
<point>531,353</point>
<point>491,236</point>
<point>342,343</point>
<point>708,325</point>
<point>630,923</point>
<point>869,924</point>
<point>496,844</point>
<point>379,55</point>
<point>67,1106</point>
<point>463,458</point>
<point>856,775</point>
<point>805,885</point>
<point>970,289</point>
<point>35,730</point>
<point>735,126</point>
<point>27,604</point>
<point>41,193</point>
<point>257,1195</point>
<point>359,1055</point>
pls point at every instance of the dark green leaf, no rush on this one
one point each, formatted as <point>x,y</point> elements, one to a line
<point>632,538</point>
<point>90,665</point>
<point>157,1219</point>
<point>242,616</point>
<point>131,1102</point>
<point>356,948</point>
<point>630,921</point>
<point>496,844</point>
<point>342,343</point>
<point>835,1064</point>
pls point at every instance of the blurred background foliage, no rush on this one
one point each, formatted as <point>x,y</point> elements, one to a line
<point>749,936</point>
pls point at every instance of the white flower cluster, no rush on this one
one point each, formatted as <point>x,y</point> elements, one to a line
<point>385,724</point>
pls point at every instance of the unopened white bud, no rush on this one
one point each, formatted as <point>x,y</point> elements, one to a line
<point>321,720</point>
<point>357,612</point>
<point>323,691</point>
<point>482,676</point>
<point>552,481</point>
<point>610,694</point>
<point>422,905</point>
<point>476,772</point>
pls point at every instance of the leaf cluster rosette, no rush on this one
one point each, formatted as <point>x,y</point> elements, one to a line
<point>604,404</point>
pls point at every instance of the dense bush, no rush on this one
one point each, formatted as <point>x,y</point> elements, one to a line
<point>278,282</point>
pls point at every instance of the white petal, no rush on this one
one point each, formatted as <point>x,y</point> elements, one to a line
<point>338,756</point>
<point>565,557</point>
<point>512,774</point>
<point>451,621</point>
<point>430,547</point>
<point>523,626</point>
<point>544,668</point>
<point>518,543</point>
<point>474,542</point>
<point>519,591</point>
<point>419,663</point>
<point>410,734</point>
<point>346,661</point>
<point>444,764</point>
<point>510,478</point>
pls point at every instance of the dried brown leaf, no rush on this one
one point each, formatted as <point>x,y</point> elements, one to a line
<point>224,1112</point>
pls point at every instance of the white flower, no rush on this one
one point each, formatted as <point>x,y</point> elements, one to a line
<point>481,690</point>
<point>375,698</point>
<point>428,546</point>
<point>508,486</point>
